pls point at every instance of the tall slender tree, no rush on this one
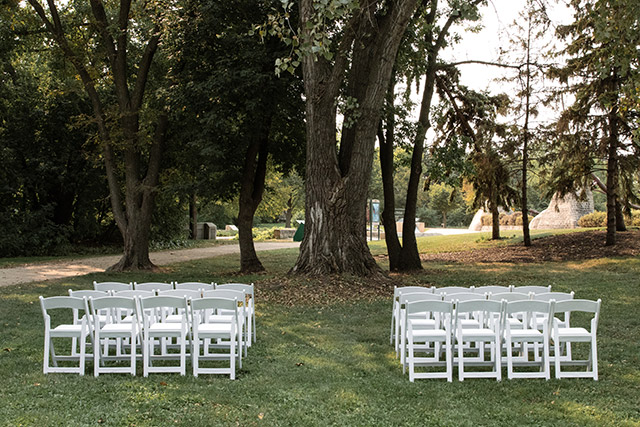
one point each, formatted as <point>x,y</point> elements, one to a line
<point>116,86</point>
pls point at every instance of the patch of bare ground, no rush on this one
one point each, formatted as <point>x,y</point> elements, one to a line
<point>562,247</point>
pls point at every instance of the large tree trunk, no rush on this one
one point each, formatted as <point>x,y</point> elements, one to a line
<point>251,192</point>
<point>526,235</point>
<point>620,225</point>
<point>495,217</point>
<point>336,184</point>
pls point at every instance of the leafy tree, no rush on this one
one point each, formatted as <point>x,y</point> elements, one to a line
<point>443,199</point>
<point>284,195</point>
<point>237,112</point>
<point>602,74</point>
<point>347,50</point>
<point>100,43</point>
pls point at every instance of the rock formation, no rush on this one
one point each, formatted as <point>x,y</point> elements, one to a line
<point>564,212</point>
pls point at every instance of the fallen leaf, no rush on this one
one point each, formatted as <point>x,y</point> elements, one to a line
<point>36,384</point>
<point>260,415</point>
<point>7,349</point>
<point>162,383</point>
<point>299,364</point>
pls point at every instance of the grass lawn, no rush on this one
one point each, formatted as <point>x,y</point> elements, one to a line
<point>330,364</point>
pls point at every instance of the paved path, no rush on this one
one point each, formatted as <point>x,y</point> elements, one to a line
<point>77,267</point>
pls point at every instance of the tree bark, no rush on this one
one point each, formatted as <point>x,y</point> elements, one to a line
<point>495,216</point>
<point>336,183</point>
<point>620,225</point>
<point>612,175</point>
<point>526,235</point>
<point>251,192</point>
<point>386,140</point>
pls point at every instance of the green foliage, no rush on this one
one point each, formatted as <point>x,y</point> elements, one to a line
<point>594,219</point>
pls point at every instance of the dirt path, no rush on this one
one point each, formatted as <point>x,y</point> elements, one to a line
<point>78,267</point>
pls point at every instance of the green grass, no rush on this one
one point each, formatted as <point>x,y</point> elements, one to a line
<point>332,364</point>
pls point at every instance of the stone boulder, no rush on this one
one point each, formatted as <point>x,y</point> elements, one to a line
<point>564,212</point>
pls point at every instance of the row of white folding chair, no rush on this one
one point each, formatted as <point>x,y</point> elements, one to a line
<point>494,327</point>
<point>160,286</point>
<point>451,290</point>
<point>151,321</point>
<point>125,321</point>
<point>507,296</point>
<point>223,291</point>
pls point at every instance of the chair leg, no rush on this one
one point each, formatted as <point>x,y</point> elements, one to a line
<point>545,361</point>
<point>411,361</point>
<point>460,360</point>
<point>195,353</point>
<point>83,351</point>
<point>47,343</point>
<point>509,358</point>
<point>449,357</point>
<point>232,358</point>
<point>594,358</point>
<point>557,357</point>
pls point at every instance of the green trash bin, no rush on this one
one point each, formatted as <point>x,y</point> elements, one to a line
<point>299,233</point>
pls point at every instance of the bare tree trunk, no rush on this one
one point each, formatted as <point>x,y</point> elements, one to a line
<point>526,235</point>
<point>620,225</point>
<point>288,214</point>
<point>495,216</point>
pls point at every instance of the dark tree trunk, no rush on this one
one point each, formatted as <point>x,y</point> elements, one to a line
<point>526,235</point>
<point>495,218</point>
<point>612,175</point>
<point>386,141</point>
<point>251,192</point>
<point>620,225</point>
<point>336,183</point>
<point>193,216</point>
<point>288,214</point>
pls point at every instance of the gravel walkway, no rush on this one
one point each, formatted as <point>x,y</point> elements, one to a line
<point>77,267</point>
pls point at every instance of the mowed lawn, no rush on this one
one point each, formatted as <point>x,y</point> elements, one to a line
<point>331,364</point>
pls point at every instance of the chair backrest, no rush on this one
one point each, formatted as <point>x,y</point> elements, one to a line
<point>225,293</point>
<point>530,310</point>
<point>484,310</point>
<point>433,306</point>
<point>533,288</point>
<point>188,293</point>
<point>82,293</point>
<point>112,286</point>
<point>247,288</point>
<point>61,302</point>
<point>152,286</point>
<point>134,293</point>
<point>510,296</point>
<point>201,307</point>
<point>583,305</point>
<point>411,297</point>
<point>494,289</point>
<point>411,289</point>
<point>454,290</point>
<point>163,301</point>
<point>558,296</point>
<point>195,286</point>
<point>466,296</point>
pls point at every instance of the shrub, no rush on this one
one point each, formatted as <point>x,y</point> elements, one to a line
<point>518,219</point>
<point>486,220</point>
<point>635,218</point>
<point>594,219</point>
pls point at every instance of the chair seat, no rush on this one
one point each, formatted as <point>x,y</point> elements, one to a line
<point>117,328</point>
<point>165,327</point>
<point>66,330</point>
<point>215,328</point>
<point>477,334</point>
<point>574,334</point>
<point>526,334</point>
<point>421,334</point>
<point>174,318</point>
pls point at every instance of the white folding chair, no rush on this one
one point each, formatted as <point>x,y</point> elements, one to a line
<point>527,333</point>
<point>395,313</point>
<point>195,286</point>
<point>493,289</point>
<point>533,288</point>
<point>118,330</point>
<point>77,318</point>
<point>112,286</point>
<point>201,330</point>
<point>152,286</point>
<point>418,319</point>
<point>154,312</point>
<point>395,316</point>
<point>514,320</point>
<point>223,316</point>
<point>433,336</point>
<point>488,332</point>
<point>561,334</point>
<point>75,331</point>
<point>248,289</point>
<point>565,321</point>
